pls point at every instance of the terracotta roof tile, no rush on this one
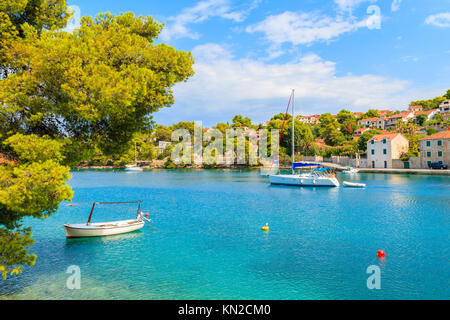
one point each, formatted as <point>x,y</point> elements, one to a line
<point>380,137</point>
<point>437,136</point>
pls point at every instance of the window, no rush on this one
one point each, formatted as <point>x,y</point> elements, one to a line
<point>439,153</point>
<point>384,151</point>
<point>429,163</point>
<point>439,143</point>
<point>428,143</point>
<point>373,151</point>
<point>428,154</point>
<point>384,140</point>
<point>373,141</point>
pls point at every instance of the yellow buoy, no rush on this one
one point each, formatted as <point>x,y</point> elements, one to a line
<point>266,227</point>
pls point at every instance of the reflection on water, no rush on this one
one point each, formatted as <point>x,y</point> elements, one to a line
<point>91,240</point>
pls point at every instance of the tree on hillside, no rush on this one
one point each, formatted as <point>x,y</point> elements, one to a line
<point>72,93</point>
<point>366,136</point>
<point>328,129</point>
<point>447,95</point>
<point>239,121</point>
<point>222,127</point>
<point>421,118</point>
<point>372,113</point>
<point>431,103</point>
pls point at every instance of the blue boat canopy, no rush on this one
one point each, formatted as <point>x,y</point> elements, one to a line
<point>321,169</point>
<point>302,164</point>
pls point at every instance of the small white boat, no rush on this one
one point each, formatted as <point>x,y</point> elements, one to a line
<point>106,228</point>
<point>353,184</point>
<point>132,167</point>
<point>350,170</point>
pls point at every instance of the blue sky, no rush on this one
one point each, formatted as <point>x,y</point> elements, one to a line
<point>353,54</point>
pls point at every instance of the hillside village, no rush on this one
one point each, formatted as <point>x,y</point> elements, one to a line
<point>414,138</point>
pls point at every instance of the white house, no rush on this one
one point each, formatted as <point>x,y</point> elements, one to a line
<point>163,145</point>
<point>392,120</point>
<point>444,106</point>
<point>383,148</point>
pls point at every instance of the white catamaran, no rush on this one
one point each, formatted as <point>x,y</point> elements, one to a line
<point>319,177</point>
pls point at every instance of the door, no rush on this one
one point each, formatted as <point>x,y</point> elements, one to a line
<point>406,164</point>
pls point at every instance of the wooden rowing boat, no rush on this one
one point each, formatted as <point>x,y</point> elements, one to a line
<point>102,229</point>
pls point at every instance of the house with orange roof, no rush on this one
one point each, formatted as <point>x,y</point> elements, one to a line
<point>429,113</point>
<point>404,116</point>
<point>383,148</point>
<point>359,131</point>
<point>415,108</point>
<point>435,148</point>
<point>383,113</point>
<point>368,122</point>
<point>309,119</point>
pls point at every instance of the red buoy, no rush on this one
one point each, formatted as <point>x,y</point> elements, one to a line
<point>146,214</point>
<point>72,205</point>
<point>380,254</point>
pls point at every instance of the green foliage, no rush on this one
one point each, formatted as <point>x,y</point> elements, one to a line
<point>447,95</point>
<point>431,103</point>
<point>239,121</point>
<point>98,84</point>
<point>222,127</point>
<point>18,15</point>
<point>33,148</point>
<point>65,97</point>
<point>421,118</point>
<point>33,187</point>
<point>189,126</point>
<point>371,113</point>
<point>162,133</point>
<point>414,145</point>
<point>328,130</point>
<point>366,136</point>
<point>431,131</point>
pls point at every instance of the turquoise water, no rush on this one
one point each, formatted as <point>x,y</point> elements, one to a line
<point>209,243</point>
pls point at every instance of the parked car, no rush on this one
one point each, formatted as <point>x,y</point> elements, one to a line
<point>437,165</point>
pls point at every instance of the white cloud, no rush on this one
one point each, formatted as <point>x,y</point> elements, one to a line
<point>349,5</point>
<point>396,5</point>
<point>202,11</point>
<point>304,28</point>
<point>224,86</point>
<point>439,20</point>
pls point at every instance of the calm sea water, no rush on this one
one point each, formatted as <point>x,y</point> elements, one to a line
<point>209,243</point>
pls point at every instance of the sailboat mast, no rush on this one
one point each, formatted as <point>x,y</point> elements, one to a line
<point>293,130</point>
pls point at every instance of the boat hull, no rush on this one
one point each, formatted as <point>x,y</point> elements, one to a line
<point>101,229</point>
<point>136,169</point>
<point>303,180</point>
